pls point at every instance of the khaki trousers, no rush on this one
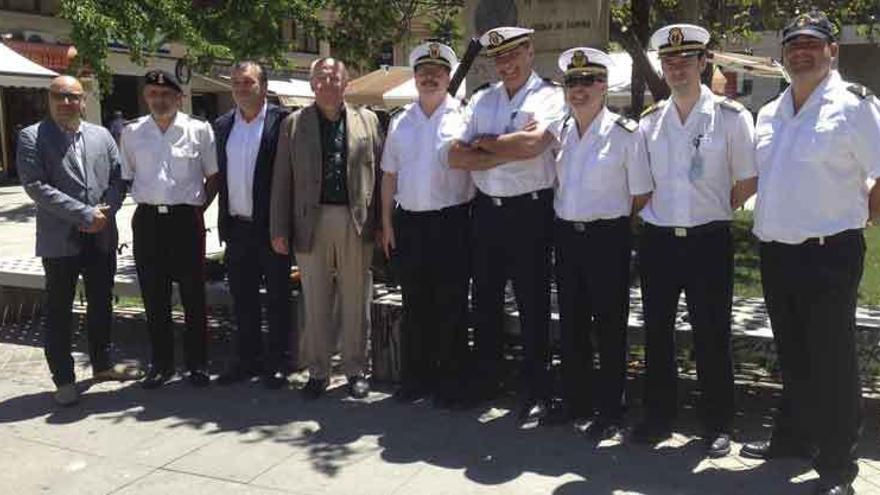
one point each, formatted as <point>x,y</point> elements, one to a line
<point>338,266</point>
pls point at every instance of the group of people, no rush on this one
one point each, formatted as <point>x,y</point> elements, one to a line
<point>526,181</point>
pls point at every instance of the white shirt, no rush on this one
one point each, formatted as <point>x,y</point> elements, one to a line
<point>725,140</point>
<point>601,171</point>
<point>242,148</point>
<point>491,111</point>
<point>168,168</point>
<point>417,150</point>
<point>813,166</point>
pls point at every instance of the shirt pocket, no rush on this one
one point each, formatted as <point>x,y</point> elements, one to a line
<point>185,162</point>
<point>821,143</point>
<point>603,168</point>
<point>713,150</point>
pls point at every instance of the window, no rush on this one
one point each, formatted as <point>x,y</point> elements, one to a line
<point>303,41</point>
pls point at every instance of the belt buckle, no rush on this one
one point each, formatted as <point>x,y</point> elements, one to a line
<point>163,209</point>
<point>534,195</point>
<point>496,201</point>
<point>580,227</point>
<point>680,232</point>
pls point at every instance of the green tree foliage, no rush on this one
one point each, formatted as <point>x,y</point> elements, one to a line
<point>632,21</point>
<point>214,30</point>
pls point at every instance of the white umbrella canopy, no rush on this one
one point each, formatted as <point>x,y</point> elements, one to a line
<point>293,92</point>
<point>388,87</point>
<point>19,71</point>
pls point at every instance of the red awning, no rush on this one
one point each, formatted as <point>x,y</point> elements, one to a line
<point>55,57</point>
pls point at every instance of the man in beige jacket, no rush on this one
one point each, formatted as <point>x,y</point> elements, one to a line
<point>325,204</point>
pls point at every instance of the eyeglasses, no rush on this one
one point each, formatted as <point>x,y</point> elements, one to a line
<point>71,97</point>
<point>585,81</point>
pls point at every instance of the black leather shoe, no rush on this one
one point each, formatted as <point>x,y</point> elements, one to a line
<point>315,388</point>
<point>718,445</point>
<point>651,432</point>
<point>358,387</point>
<point>766,450</point>
<point>531,411</point>
<point>198,378</point>
<point>155,378</point>
<point>602,429</point>
<point>838,489</point>
<point>236,374</point>
<point>274,381</point>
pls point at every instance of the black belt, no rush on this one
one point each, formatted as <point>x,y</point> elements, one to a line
<point>166,209</point>
<point>833,239</point>
<point>511,200</point>
<point>694,231</point>
<point>602,223</point>
<point>242,219</point>
<point>434,213</point>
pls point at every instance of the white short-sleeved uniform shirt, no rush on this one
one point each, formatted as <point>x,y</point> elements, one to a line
<point>168,168</point>
<point>417,151</point>
<point>722,134</point>
<point>813,166</point>
<point>492,112</point>
<point>599,173</point>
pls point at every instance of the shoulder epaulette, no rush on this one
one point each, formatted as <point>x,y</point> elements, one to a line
<point>481,87</point>
<point>653,108</point>
<point>732,105</point>
<point>628,124</point>
<point>550,81</point>
<point>861,91</point>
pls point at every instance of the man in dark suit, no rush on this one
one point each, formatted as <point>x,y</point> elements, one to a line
<point>71,170</point>
<point>246,141</point>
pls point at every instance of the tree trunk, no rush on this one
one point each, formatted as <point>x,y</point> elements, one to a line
<point>641,64</point>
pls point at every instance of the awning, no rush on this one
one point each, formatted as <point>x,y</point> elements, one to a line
<point>388,87</point>
<point>54,57</point>
<point>18,71</point>
<point>292,92</point>
<point>205,84</point>
<point>747,64</point>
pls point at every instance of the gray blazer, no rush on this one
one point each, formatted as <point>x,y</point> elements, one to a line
<point>65,199</point>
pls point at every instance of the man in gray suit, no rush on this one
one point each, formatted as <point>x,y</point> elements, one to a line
<point>71,170</point>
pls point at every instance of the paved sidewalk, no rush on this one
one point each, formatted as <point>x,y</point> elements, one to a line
<point>122,439</point>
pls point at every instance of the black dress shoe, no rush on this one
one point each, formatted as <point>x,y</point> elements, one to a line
<point>358,387</point>
<point>532,410</point>
<point>560,413</point>
<point>315,388</point>
<point>198,378</point>
<point>651,432</point>
<point>274,381</point>
<point>835,489</point>
<point>155,378</point>
<point>236,374</point>
<point>603,429</point>
<point>718,445</point>
<point>766,450</point>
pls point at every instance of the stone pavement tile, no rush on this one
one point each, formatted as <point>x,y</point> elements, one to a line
<point>322,467</point>
<point>433,480</point>
<point>163,482</point>
<point>109,421</point>
<point>31,468</point>
<point>863,487</point>
<point>242,457</point>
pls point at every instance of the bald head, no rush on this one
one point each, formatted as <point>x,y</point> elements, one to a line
<point>66,102</point>
<point>328,77</point>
